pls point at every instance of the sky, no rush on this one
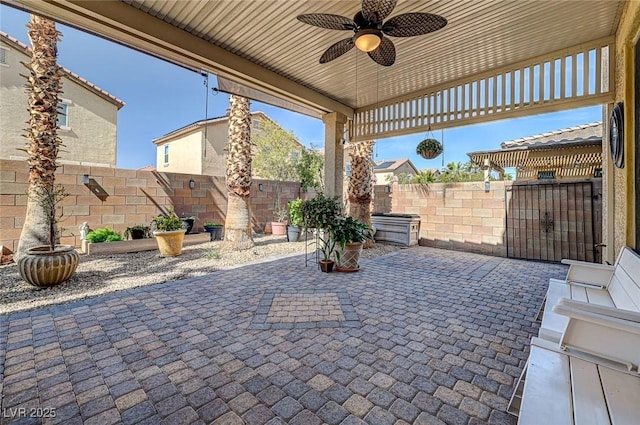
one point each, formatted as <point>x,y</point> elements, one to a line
<point>161,97</point>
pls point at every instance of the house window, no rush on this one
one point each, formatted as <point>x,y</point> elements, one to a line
<point>3,56</point>
<point>63,115</point>
<point>166,154</point>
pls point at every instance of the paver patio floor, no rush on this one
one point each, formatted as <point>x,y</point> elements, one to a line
<point>421,336</point>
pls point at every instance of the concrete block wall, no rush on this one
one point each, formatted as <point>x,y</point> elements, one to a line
<point>455,216</point>
<point>134,197</point>
<point>381,199</point>
<point>208,199</point>
<point>461,216</point>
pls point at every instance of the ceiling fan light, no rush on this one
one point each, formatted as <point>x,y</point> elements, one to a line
<point>368,40</point>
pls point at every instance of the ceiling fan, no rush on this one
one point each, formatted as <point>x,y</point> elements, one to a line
<point>370,29</point>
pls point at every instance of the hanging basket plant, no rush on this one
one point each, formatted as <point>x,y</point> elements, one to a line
<point>429,148</point>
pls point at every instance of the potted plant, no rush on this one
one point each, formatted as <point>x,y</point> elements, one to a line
<point>350,233</point>
<point>279,227</point>
<point>429,148</point>
<point>320,213</point>
<point>214,229</point>
<point>138,231</point>
<point>52,264</point>
<point>295,220</point>
<point>188,221</point>
<point>326,245</point>
<point>169,233</point>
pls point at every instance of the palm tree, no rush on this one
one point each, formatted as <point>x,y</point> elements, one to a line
<point>454,172</point>
<point>238,218</point>
<point>360,185</point>
<point>424,177</point>
<point>44,86</point>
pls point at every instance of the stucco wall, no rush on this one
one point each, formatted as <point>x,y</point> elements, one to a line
<point>405,168</point>
<point>92,133</point>
<point>215,156</point>
<point>189,154</point>
<point>623,208</point>
<point>184,155</point>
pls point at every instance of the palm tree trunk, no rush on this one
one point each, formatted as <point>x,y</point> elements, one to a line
<point>238,218</point>
<point>360,185</point>
<point>44,86</point>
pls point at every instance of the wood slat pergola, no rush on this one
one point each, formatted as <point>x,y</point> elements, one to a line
<point>568,153</point>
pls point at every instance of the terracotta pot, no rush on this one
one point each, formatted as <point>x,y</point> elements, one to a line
<point>278,229</point>
<point>326,265</point>
<point>43,268</point>
<point>350,257</point>
<point>170,243</point>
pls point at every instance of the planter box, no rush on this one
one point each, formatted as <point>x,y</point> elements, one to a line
<point>402,229</point>
<point>137,245</point>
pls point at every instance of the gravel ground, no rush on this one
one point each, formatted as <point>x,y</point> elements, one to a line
<point>98,275</point>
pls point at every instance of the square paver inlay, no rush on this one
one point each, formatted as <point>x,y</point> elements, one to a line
<point>298,308</point>
<point>309,308</point>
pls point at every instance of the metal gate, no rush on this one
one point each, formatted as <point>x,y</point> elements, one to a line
<point>555,220</point>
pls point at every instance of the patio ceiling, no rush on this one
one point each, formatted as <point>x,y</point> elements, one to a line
<point>261,43</point>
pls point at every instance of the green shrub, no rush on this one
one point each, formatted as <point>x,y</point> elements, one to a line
<point>104,235</point>
<point>295,212</point>
<point>320,212</point>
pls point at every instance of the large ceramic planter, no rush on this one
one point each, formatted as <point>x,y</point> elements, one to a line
<point>349,257</point>
<point>278,229</point>
<point>170,243</point>
<point>44,268</point>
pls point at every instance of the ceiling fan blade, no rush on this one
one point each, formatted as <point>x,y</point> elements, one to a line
<point>385,54</point>
<point>336,50</point>
<point>377,10</point>
<point>410,24</point>
<point>325,20</point>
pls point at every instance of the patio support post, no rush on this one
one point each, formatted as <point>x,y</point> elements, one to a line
<point>334,153</point>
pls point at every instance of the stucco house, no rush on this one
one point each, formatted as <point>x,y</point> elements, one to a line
<point>199,147</point>
<point>88,120</point>
<point>384,171</point>
<point>574,152</point>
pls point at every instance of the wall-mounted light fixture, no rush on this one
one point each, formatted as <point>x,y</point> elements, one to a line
<point>192,184</point>
<point>260,187</point>
<point>387,189</point>
<point>85,179</point>
<point>487,185</point>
